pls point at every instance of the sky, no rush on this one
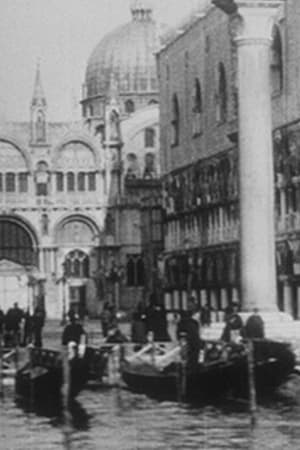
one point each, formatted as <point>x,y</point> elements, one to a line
<point>62,34</point>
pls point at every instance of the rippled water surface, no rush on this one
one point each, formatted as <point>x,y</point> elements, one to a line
<point>116,419</point>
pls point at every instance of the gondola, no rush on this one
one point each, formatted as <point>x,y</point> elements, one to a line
<point>221,368</point>
<point>41,378</point>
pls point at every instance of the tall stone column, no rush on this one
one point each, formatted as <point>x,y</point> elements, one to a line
<point>253,22</point>
<point>257,206</point>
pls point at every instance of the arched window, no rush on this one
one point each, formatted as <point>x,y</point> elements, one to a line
<point>129,107</point>
<point>149,137</point>
<point>175,121</point>
<point>42,178</point>
<point>70,182</point>
<point>91,110</point>
<point>149,170</point>
<point>23,182</point>
<point>221,94</point>
<point>91,181</point>
<point>76,264</point>
<point>81,181</point>
<point>59,182</point>
<point>10,182</point>
<point>197,108</point>
<point>130,272</point>
<point>135,270</point>
<point>276,62</point>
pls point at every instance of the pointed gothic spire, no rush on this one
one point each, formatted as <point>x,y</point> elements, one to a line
<point>38,98</point>
<point>141,9</point>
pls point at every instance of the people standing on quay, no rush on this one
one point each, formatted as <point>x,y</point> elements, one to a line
<point>156,320</point>
<point>105,318</point>
<point>27,329</point>
<point>233,330</point>
<point>38,322</point>
<point>205,315</point>
<point>255,327</point>
<point>13,319</point>
<point>138,325</point>
<point>189,327</point>
<point>73,331</point>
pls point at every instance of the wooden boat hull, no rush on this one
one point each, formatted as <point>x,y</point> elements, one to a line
<point>43,382</point>
<point>274,362</point>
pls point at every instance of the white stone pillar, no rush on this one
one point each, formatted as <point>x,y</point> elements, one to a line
<point>298,303</point>
<point>257,215</point>
<point>288,299</point>
<point>41,260</point>
<point>224,298</point>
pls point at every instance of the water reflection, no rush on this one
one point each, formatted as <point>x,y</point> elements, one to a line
<point>116,419</point>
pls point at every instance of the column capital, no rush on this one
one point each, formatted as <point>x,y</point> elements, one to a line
<point>251,21</point>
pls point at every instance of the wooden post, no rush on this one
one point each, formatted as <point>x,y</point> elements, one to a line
<point>31,365</point>
<point>251,381</point>
<point>150,338</point>
<point>1,368</point>
<point>66,377</point>
<point>182,385</point>
<point>17,356</point>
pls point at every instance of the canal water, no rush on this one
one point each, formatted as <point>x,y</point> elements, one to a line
<point>116,419</point>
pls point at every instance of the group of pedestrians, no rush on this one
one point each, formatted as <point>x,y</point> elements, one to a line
<point>235,329</point>
<point>151,318</point>
<point>18,327</point>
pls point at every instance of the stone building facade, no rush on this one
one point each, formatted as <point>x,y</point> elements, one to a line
<point>200,155</point>
<point>71,194</point>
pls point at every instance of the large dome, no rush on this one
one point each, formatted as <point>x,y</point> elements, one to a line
<point>128,53</point>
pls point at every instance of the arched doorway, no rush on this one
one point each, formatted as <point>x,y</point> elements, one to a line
<point>18,260</point>
<point>77,240</point>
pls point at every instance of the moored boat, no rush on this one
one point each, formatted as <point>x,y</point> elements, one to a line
<point>221,368</point>
<point>42,377</point>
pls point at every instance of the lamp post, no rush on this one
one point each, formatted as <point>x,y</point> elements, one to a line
<point>63,280</point>
<point>115,275</point>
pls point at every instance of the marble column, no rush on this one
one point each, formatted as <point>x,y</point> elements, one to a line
<point>253,23</point>
<point>288,299</point>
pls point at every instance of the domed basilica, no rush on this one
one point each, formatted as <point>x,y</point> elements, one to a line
<point>74,196</point>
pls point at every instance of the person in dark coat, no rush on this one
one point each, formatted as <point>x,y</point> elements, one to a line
<point>205,315</point>
<point>105,318</point>
<point>233,329</point>
<point>28,328</point>
<point>115,335</point>
<point>156,320</point>
<point>138,328</point>
<point>73,331</point>
<point>189,327</point>
<point>13,319</point>
<point>255,327</point>
<point>38,322</point>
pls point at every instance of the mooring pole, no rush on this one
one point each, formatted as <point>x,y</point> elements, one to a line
<point>1,368</point>
<point>31,364</point>
<point>182,367</point>
<point>251,381</point>
<point>66,377</point>
<point>150,338</point>
<point>66,391</point>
